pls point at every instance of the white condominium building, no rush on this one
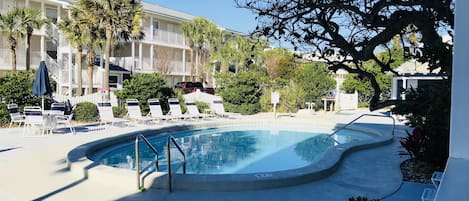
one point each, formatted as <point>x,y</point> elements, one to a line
<point>163,49</point>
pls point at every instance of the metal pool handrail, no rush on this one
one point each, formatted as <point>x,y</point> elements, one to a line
<point>137,159</point>
<point>373,115</point>
<point>168,159</point>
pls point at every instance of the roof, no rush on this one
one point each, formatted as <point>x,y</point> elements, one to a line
<point>166,12</point>
<point>414,67</point>
<point>113,67</point>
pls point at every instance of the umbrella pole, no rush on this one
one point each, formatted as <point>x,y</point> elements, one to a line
<point>42,103</point>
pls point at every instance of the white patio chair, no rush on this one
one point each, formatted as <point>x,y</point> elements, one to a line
<point>106,115</point>
<point>134,112</point>
<point>175,109</point>
<point>34,118</point>
<point>156,112</point>
<point>219,109</point>
<point>15,115</point>
<point>66,120</point>
<point>194,111</point>
<point>58,107</point>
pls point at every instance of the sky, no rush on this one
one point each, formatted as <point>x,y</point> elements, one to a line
<point>222,12</point>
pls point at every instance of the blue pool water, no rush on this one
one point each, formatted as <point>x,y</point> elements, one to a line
<point>233,150</point>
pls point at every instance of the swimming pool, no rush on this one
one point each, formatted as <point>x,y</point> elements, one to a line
<point>228,174</point>
<point>236,149</point>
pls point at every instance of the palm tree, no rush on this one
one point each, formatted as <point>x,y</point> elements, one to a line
<point>10,26</point>
<point>30,19</point>
<point>189,31</point>
<point>73,29</point>
<point>201,34</point>
<point>120,20</point>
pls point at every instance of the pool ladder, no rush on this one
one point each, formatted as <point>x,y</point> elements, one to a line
<point>155,161</point>
<point>356,119</point>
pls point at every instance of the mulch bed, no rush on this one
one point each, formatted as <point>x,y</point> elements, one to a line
<point>415,171</point>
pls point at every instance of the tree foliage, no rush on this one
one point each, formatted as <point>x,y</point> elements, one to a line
<point>30,19</point>
<point>315,80</point>
<point>241,92</point>
<point>219,48</point>
<point>279,63</point>
<point>16,87</point>
<point>349,32</point>
<point>428,110</point>
<point>119,20</point>
<point>142,87</point>
<point>10,26</point>
<point>355,82</point>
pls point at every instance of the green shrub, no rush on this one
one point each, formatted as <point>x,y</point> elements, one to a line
<point>119,112</point>
<point>241,92</point>
<point>181,101</point>
<point>428,112</point>
<point>86,111</point>
<point>202,106</point>
<point>16,87</point>
<point>4,115</point>
<point>145,86</point>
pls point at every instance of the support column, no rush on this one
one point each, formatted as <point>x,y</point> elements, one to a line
<point>133,57</point>
<point>152,29</point>
<point>70,72</point>
<point>152,64</point>
<point>183,65</point>
<point>140,55</point>
<point>43,39</point>
<point>459,132</point>
<point>26,3</point>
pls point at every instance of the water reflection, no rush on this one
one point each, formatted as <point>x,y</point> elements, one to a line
<point>309,149</point>
<point>216,151</point>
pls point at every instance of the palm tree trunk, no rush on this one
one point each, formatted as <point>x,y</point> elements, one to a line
<point>192,65</point>
<point>107,51</point>
<point>12,43</point>
<point>28,51</point>
<point>79,70</point>
<point>90,56</point>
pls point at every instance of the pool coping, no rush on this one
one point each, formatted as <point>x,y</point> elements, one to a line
<point>79,163</point>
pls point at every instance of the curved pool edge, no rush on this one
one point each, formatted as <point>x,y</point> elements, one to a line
<point>79,163</point>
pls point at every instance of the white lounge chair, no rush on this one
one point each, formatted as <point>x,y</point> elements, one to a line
<point>219,110</point>
<point>134,112</point>
<point>106,115</point>
<point>34,118</point>
<point>194,111</point>
<point>156,112</point>
<point>15,115</point>
<point>175,109</point>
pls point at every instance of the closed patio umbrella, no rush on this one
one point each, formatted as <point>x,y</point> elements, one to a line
<point>41,85</point>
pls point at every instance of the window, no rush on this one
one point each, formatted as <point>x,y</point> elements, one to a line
<point>51,13</point>
<point>113,81</point>
<point>155,28</point>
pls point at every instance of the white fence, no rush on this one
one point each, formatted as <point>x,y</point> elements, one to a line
<point>348,101</point>
<point>93,98</point>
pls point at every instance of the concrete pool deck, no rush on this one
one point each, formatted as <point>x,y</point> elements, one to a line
<point>34,168</point>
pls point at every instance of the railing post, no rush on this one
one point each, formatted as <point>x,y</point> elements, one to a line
<point>137,164</point>
<point>168,160</point>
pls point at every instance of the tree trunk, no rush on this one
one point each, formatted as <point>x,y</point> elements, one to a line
<point>12,42</point>
<point>107,51</point>
<point>28,51</point>
<point>90,57</point>
<point>79,71</point>
<point>192,64</point>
